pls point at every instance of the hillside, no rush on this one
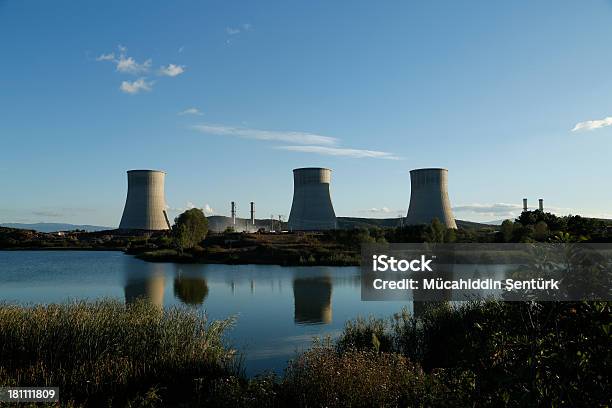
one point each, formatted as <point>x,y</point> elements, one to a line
<point>54,227</point>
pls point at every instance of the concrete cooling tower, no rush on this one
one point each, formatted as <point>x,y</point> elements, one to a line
<point>145,206</point>
<point>429,198</point>
<point>312,209</point>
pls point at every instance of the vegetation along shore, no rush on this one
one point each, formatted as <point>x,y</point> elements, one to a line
<point>480,354</point>
<point>190,240</point>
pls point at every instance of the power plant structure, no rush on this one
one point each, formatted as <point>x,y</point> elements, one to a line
<point>429,198</point>
<point>252,213</point>
<point>145,205</point>
<point>540,204</point>
<point>312,209</point>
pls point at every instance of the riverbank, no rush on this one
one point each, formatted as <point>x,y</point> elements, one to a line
<point>286,249</point>
<point>481,354</point>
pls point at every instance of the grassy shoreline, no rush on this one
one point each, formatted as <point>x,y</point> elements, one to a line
<point>483,353</point>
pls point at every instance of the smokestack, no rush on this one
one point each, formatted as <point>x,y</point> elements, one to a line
<point>524,204</point>
<point>145,205</point>
<point>541,204</point>
<point>252,213</point>
<point>312,209</point>
<point>429,198</point>
<point>233,213</point>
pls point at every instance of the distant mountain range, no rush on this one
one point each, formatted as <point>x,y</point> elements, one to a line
<point>218,223</point>
<point>53,227</point>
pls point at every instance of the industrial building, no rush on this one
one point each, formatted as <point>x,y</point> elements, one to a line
<point>145,205</point>
<point>312,208</point>
<point>429,198</point>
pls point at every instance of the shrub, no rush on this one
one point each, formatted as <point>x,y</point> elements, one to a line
<point>106,351</point>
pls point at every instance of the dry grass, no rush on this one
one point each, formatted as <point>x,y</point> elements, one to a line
<point>108,350</point>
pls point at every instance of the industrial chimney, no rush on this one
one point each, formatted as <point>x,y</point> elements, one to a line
<point>429,198</point>
<point>541,204</point>
<point>252,213</point>
<point>233,213</point>
<point>145,206</point>
<point>524,204</point>
<point>312,208</point>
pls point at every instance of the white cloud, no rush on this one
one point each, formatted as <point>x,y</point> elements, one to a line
<point>208,210</point>
<point>106,57</point>
<point>270,135</point>
<point>232,31</point>
<point>344,152</point>
<point>504,210</point>
<point>129,65</point>
<point>191,111</point>
<point>593,124</point>
<point>376,210</point>
<point>136,86</point>
<point>246,26</point>
<point>493,210</point>
<point>172,70</point>
<point>125,63</point>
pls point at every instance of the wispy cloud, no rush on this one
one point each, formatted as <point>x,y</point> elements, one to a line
<point>340,151</point>
<point>106,57</point>
<point>190,111</point>
<point>181,49</point>
<point>593,124</point>
<point>504,210</point>
<point>303,142</point>
<point>271,135</point>
<point>129,65</point>
<point>236,31</point>
<point>207,209</point>
<point>377,210</point>
<point>493,210</point>
<point>126,64</point>
<point>137,86</point>
<point>172,70</point>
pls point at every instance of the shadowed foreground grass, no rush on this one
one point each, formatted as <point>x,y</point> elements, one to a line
<point>481,354</point>
<point>105,352</point>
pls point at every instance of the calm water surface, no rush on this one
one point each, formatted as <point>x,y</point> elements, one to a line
<point>279,310</point>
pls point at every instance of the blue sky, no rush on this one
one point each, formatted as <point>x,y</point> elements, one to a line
<point>227,97</point>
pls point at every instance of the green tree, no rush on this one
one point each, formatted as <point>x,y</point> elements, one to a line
<point>436,232</point>
<point>189,229</point>
<point>506,230</point>
<point>540,231</point>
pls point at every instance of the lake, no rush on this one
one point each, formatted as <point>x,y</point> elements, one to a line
<point>279,310</point>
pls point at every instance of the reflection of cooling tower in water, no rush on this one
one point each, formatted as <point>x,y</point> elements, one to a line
<point>312,208</point>
<point>429,198</point>
<point>312,300</point>
<point>149,286</point>
<point>145,206</point>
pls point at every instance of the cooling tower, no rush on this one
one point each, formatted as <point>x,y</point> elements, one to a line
<point>145,206</point>
<point>429,198</point>
<point>312,208</point>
